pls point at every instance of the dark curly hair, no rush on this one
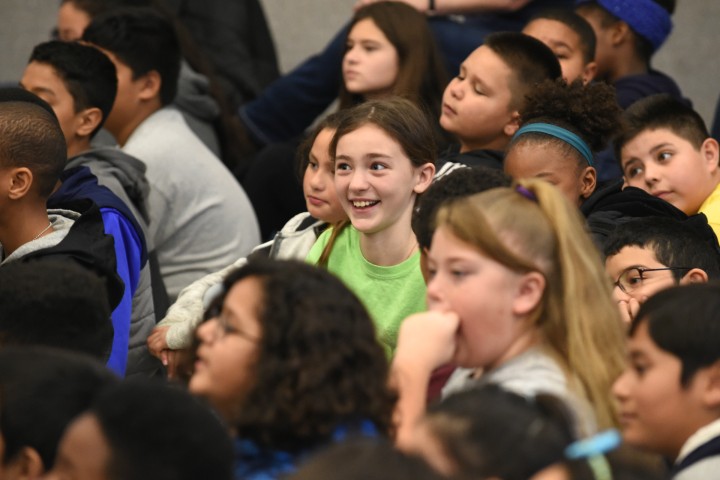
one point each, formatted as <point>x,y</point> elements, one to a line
<point>319,364</point>
<point>590,111</point>
<point>462,182</point>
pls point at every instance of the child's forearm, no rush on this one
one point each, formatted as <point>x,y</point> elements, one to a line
<point>411,381</point>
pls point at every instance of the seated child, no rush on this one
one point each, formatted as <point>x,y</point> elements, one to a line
<point>32,156</point>
<point>461,440</point>
<point>460,182</point>
<point>43,390</point>
<point>200,218</point>
<point>561,127</point>
<point>80,82</point>
<point>665,149</point>
<point>55,303</point>
<point>669,393</point>
<point>141,429</point>
<point>292,363</point>
<point>384,159</point>
<point>571,39</point>
<point>646,255</point>
<point>518,297</point>
<point>628,34</point>
<point>482,104</point>
<point>295,240</point>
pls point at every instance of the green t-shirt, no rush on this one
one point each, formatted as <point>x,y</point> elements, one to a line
<point>390,294</point>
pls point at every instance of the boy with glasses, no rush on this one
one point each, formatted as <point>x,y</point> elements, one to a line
<point>646,255</point>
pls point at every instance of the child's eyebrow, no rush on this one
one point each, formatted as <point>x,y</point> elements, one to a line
<point>660,146</point>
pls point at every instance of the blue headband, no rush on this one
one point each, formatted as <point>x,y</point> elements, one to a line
<point>645,17</point>
<point>558,132</point>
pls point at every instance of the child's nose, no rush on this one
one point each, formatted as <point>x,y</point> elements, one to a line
<point>457,88</point>
<point>620,388</point>
<point>358,182</point>
<point>207,330</point>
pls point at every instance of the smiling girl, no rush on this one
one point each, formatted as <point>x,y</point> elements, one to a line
<point>518,297</point>
<point>384,158</point>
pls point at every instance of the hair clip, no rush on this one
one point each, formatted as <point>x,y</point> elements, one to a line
<point>526,193</point>
<point>594,449</point>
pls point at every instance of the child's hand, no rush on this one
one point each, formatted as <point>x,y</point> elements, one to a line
<point>172,360</point>
<point>427,339</point>
<point>629,309</point>
<point>157,342</point>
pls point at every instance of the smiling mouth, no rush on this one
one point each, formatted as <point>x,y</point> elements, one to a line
<point>364,203</point>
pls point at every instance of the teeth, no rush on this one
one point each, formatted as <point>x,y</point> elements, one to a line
<point>363,204</point>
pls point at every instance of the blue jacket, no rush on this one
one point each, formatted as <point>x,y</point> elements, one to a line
<point>130,251</point>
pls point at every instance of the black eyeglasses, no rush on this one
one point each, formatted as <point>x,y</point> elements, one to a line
<point>632,278</point>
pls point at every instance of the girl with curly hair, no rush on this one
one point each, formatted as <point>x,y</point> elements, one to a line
<point>561,128</point>
<point>384,159</point>
<point>517,297</point>
<point>290,361</point>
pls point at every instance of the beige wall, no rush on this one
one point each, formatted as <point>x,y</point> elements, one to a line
<point>302,27</point>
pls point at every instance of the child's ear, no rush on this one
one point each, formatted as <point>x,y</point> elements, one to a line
<point>620,32</point>
<point>529,293</point>
<point>696,275</point>
<point>712,387</point>
<point>425,176</point>
<point>150,86</point>
<point>87,121</point>
<point>28,464</point>
<point>711,153</point>
<point>589,72</point>
<point>513,125</point>
<point>588,181</point>
<point>20,181</point>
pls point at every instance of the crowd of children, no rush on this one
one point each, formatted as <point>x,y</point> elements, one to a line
<point>455,283</point>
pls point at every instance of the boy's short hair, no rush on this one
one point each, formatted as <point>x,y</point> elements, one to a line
<point>635,17</point>
<point>690,243</point>
<point>55,303</point>
<point>529,59</point>
<point>661,111</point>
<point>31,137</point>
<point>577,24</point>
<point>43,390</point>
<point>684,321</point>
<point>172,434</point>
<point>143,40</point>
<point>87,73</point>
<point>460,182</point>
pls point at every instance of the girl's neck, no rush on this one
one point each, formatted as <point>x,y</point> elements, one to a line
<point>389,247</point>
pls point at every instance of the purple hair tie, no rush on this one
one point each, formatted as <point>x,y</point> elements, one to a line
<point>526,193</point>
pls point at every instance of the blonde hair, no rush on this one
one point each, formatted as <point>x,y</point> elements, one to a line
<point>531,227</point>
